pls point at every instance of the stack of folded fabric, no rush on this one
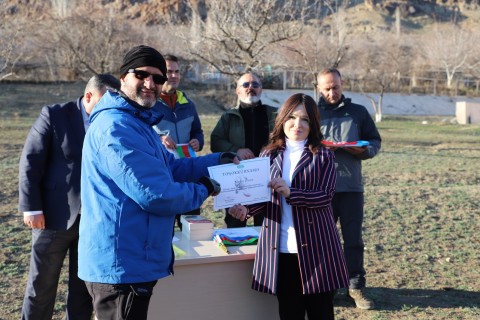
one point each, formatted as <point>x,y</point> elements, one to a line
<point>345,144</point>
<point>238,236</point>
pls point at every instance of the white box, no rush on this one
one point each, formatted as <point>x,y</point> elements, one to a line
<point>196,227</point>
<point>205,234</point>
<point>195,222</point>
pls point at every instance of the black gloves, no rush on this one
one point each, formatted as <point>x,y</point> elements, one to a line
<point>227,157</point>
<point>212,186</point>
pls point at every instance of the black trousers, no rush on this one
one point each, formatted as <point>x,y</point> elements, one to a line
<point>292,303</point>
<point>121,301</point>
<point>348,208</point>
<point>49,248</point>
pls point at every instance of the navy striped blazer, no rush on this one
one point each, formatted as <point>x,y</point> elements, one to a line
<point>320,254</point>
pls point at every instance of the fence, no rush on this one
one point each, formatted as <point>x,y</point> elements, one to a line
<point>292,79</point>
<point>295,79</point>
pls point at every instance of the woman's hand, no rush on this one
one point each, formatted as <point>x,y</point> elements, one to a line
<point>280,186</point>
<point>239,212</point>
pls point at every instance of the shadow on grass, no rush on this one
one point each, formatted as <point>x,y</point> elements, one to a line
<point>398,299</point>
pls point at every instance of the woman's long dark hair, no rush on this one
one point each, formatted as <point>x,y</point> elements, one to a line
<point>315,137</point>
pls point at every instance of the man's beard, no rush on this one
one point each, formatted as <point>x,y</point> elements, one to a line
<point>250,99</point>
<point>147,102</point>
<point>136,95</point>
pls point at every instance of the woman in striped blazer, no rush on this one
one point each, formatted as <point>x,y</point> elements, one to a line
<point>299,256</point>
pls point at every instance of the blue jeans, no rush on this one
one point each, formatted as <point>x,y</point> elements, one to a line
<point>348,208</point>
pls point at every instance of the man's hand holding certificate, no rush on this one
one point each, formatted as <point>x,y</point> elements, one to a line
<point>245,183</point>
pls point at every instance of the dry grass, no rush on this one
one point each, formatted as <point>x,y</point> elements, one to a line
<point>421,215</point>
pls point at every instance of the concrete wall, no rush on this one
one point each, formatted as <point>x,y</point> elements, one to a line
<point>467,112</point>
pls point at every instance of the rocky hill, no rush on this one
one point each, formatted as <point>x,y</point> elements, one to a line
<point>149,12</point>
<point>154,12</point>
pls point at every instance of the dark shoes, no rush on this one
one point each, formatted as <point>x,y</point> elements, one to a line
<point>361,300</point>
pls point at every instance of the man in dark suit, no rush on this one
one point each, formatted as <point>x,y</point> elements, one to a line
<point>49,197</point>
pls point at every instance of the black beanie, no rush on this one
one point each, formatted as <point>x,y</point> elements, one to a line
<point>143,56</point>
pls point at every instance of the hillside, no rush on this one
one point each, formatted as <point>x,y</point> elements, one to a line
<point>365,15</point>
<point>54,41</point>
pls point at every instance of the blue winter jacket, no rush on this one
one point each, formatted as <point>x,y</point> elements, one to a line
<point>182,123</point>
<point>131,190</point>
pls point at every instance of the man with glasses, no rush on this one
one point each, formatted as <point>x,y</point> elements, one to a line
<point>131,189</point>
<point>244,129</point>
<point>180,123</point>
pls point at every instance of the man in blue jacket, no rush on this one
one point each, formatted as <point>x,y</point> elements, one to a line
<point>132,188</point>
<point>180,123</point>
<point>344,121</point>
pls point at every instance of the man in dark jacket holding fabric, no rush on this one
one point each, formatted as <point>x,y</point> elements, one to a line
<point>343,121</point>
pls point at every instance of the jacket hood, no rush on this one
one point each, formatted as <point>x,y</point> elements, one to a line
<point>118,101</point>
<point>327,106</point>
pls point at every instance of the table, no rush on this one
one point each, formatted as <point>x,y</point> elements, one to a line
<point>211,285</point>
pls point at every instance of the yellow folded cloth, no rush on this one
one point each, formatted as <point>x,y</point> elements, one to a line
<point>177,251</point>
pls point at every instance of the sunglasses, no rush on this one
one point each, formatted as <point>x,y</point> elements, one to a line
<point>142,75</point>
<point>255,84</point>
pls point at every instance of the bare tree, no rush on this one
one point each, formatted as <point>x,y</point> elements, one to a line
<point>324,42</point>
<point>380,62</point>
<point>236,35</point>
<point>84,42</point>
<point>12,50</point>
<point>450,48</point>
<point>63,8</point>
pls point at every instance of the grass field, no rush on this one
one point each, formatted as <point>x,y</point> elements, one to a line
<point>422,214</point>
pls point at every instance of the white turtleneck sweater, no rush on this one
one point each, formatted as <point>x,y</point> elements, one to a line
<point>291,156</point>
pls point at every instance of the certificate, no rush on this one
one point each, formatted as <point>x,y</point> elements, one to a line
<point>244,183</point>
